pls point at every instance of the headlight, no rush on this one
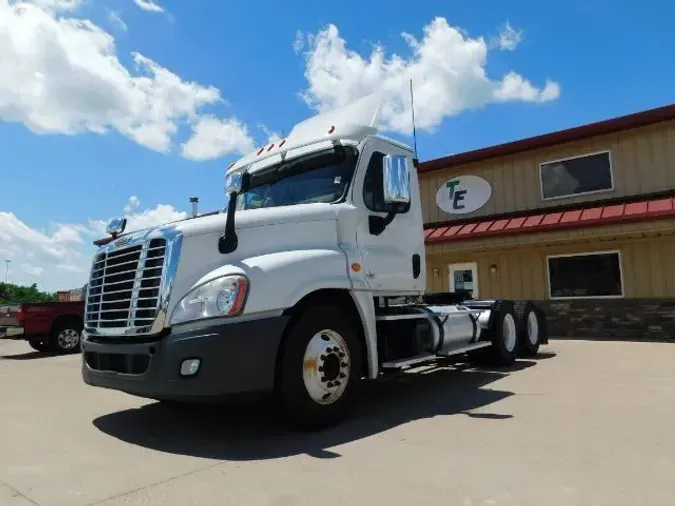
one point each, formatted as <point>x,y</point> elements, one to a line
<point>224,296</point>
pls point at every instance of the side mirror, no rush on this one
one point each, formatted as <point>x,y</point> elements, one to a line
<point>396,179</point>
<point>237,182</point>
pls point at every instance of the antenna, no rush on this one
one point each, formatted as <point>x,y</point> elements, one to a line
<point>412,110</point>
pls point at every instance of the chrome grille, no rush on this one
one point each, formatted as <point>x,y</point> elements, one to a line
<point>125,287</point>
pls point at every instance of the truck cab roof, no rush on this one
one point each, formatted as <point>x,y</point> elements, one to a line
<point>350,124</point>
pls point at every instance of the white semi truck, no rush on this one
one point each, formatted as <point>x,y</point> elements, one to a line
<point>311,280</point>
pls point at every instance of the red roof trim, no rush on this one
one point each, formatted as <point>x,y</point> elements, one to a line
<point>613,125</point>
<point>555,220</point>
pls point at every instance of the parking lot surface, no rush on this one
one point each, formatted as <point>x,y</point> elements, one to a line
<point>587,423</point>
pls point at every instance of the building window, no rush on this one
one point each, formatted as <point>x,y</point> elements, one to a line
<point>593,275</point>
<point>576,176</point>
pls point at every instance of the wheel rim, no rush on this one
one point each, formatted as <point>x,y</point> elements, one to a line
<point>509,332</point>
<point>68,339</point>
<point>533,328</point>
<point>326,367</point>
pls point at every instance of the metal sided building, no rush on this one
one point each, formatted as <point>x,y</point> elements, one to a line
<point>581,220</point>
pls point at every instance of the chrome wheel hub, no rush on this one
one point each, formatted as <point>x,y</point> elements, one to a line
<point>326,367</point>
<point>68,339</point>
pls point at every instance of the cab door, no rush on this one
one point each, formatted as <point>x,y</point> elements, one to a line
<point>393,259</point>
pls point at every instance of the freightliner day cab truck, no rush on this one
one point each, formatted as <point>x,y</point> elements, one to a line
<point>311,280</point>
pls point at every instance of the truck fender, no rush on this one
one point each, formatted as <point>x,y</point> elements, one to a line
<point>363,301</point>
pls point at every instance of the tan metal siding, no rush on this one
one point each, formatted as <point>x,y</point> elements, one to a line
<point>647,266</point>
<point>643,161</point>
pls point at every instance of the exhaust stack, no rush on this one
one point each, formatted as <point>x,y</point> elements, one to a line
<point>194,201</point>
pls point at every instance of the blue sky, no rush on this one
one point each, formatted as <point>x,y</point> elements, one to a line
<point>83,128</point>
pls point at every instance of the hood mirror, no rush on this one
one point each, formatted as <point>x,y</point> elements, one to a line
<point>116,226</point>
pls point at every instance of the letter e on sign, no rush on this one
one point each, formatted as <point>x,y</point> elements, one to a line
<point>463,194</point>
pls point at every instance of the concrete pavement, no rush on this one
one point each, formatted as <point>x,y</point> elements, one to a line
<point>588,423</point>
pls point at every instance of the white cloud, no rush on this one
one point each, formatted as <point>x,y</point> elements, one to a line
<point>271,136</point>
<point>299,43</point>
<point>213,138</point>
<point>56,5</point>
<point>60,259</point>
<point>149,5</point>
<point>448,69</point>
<point>116,20</point>
<point>509,38</point>
<point>62,76</point>
<point>31,270</point>
<point>132,204</point>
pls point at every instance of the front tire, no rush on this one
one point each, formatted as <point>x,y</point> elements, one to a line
<point>319,368</point>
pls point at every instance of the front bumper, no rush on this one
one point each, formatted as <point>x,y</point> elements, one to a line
<point>236,358</point>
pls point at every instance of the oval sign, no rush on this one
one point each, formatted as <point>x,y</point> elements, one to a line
<point>463,194</point>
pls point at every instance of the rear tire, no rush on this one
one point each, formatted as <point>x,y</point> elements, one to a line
<point>319,367</point>
<point>38,344</point>
<point>530,328</point>
<point>66,338</point>
<point>503,334</point>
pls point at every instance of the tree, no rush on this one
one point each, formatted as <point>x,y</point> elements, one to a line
<point>15,294</point>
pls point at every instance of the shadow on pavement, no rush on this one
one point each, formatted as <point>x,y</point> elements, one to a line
<point>29,355</point>
<point>256,431</point>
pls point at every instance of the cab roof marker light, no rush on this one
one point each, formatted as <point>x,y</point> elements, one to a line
<point>270,148</point>
<point>282,143</point>
<point>261,150</point>
<point>331,129</point>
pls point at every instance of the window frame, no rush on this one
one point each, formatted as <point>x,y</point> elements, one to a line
<point>576,157</point>
<point>586,254</point>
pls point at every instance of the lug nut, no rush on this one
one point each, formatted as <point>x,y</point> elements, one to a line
<point>343,364</point>
<point>343,375</point>
<point>342,355</point>
<point>323,379</point>
<point>337,383</point>
<point>329,384</point>
<point>320,369</point>
<point>323,357</point>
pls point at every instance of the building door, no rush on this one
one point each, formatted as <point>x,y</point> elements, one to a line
<point>464,277</point>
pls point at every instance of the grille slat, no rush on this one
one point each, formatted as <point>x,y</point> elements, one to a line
<point>124,287</point>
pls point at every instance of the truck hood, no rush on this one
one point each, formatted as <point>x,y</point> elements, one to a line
<point>303,213</point>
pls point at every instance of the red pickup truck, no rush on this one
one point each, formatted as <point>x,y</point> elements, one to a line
<point>47,326</point>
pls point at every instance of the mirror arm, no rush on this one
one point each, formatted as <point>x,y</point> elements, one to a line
<point>228,242</point>
<point>377,224</point>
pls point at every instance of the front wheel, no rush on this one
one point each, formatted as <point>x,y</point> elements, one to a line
<point>320,366</point>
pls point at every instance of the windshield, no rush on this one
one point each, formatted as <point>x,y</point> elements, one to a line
<point>320,177</point>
